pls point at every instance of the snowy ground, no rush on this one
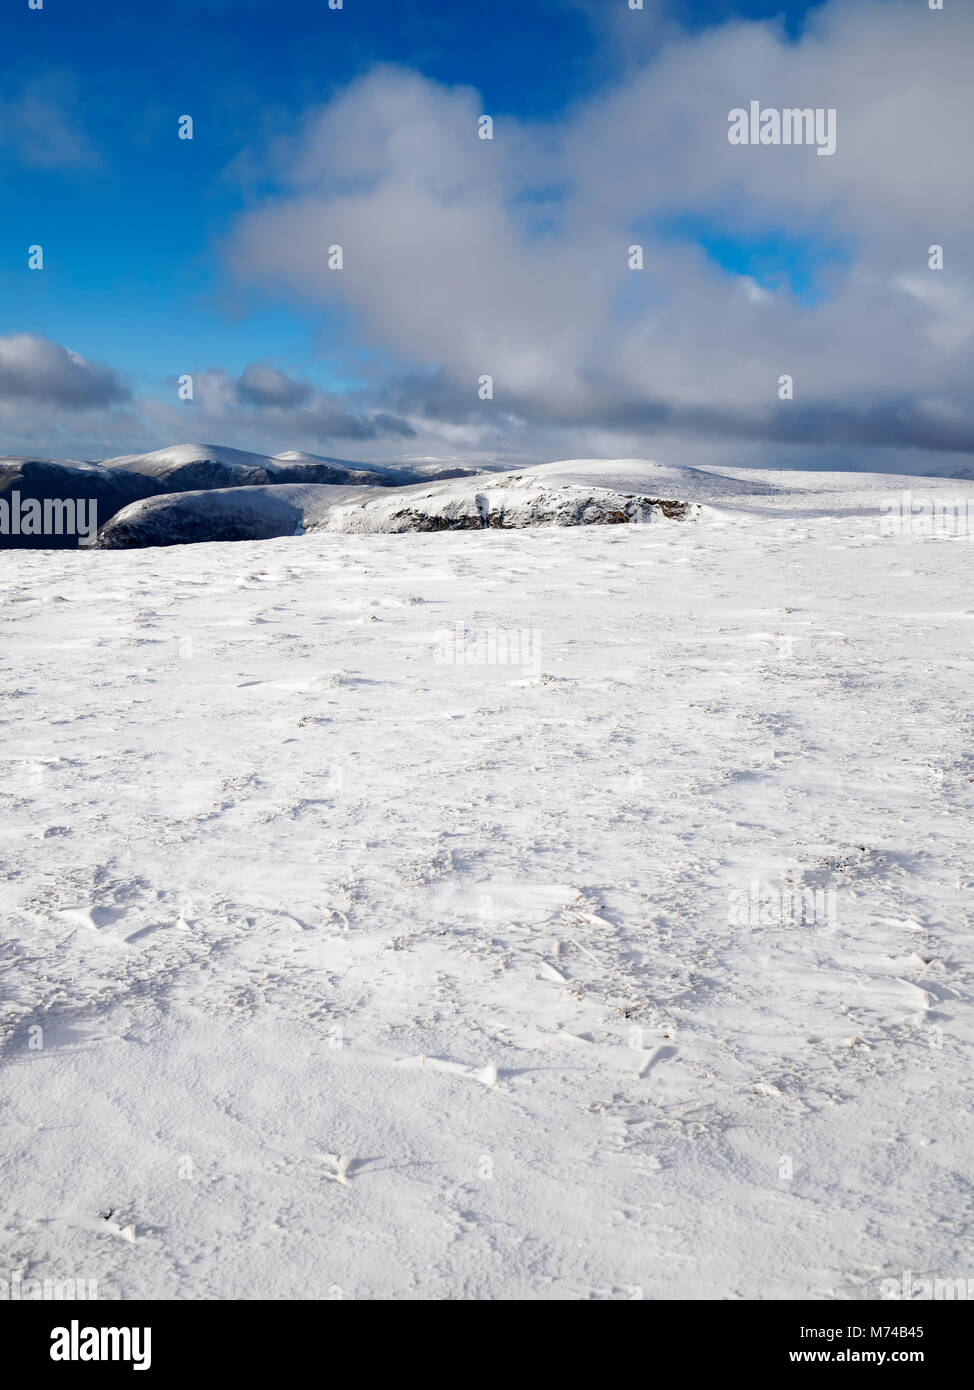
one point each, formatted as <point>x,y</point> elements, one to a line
<point>266,844</point>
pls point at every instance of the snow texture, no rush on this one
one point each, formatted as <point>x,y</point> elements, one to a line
<point>372,907</point>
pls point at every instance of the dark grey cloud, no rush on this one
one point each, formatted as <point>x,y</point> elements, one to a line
<point>327,418</point>
<point>35,369</point>
<point>264,407</point>
<point>887,420</point>
<point>299,407</point>
<point>261,384</point>
<point>385,423</point>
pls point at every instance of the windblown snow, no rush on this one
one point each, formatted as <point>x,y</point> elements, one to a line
<point>572,912</point>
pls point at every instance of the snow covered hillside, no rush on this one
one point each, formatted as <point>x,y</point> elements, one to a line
<point>558,912</point>
<point>584,493</point>
<point>222,514</point>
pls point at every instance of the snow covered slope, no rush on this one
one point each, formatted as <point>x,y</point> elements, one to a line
<point>582,493</point>
<point>222,514</point>
<point>429,470</point>
<point>301,839</point>
<point>640,475</point>
<point>567,493</point>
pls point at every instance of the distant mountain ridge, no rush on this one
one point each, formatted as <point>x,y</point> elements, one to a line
<point>195,467</point>
<point>113,483</point>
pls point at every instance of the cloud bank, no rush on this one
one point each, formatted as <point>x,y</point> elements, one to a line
<point>510,257</point>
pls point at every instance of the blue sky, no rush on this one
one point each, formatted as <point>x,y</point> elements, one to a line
<point>137,225</point>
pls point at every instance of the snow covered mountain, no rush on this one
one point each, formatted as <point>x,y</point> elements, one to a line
<point>190,467</point>
<point>107,486</point>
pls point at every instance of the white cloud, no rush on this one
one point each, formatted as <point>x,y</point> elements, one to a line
<point>464,257</point>
<point>40,126</point>
<point>263,384</point>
